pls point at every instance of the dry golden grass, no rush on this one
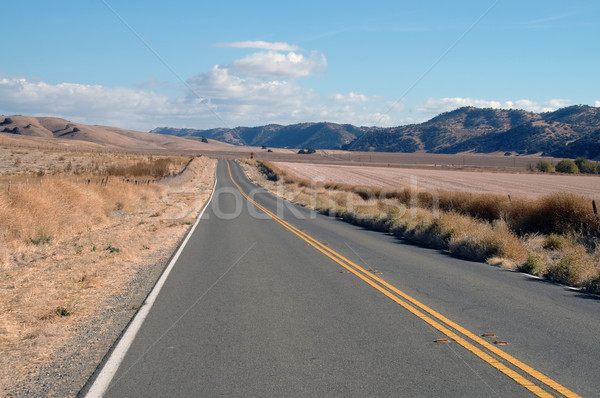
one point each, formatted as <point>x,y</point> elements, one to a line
<point>67,247</point>
<point>57,208</point>
<point>483,227</point>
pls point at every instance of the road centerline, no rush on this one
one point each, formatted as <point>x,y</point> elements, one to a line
<point>409,303</point>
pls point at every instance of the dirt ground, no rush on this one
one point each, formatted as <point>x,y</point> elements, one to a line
<point>521,184</point>
<point>63,304</point>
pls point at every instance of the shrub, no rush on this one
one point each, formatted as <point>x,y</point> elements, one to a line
<point>62,311</point>
<point>545,166</point>
<point>594,284</point>
<point>112,249</point>
<point>554,242</point>
<point>567,166</point>
<point>574,267</point>
<point>267,170</point>
<point>536,264</point>
<point>558,213</point>
<point>482,242</point>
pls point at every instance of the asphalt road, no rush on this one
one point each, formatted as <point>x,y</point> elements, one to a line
<point>258,307</point>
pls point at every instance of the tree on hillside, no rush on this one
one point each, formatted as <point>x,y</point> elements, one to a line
<point>587,166</point>
<point>545,166</point>
<point>567,166</point>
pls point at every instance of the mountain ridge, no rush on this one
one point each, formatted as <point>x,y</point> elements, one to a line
<point>567,132</point>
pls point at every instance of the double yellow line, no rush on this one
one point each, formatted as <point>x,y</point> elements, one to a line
<point>428,315</point>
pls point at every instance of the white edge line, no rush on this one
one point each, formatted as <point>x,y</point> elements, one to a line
<point>111,366</point>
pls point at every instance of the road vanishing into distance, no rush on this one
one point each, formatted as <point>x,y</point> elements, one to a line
<point>270,299</point>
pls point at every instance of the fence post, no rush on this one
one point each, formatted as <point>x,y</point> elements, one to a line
<point>595,209</point>
<point>8,185</point>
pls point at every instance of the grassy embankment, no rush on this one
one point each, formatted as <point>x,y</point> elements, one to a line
<point>556,237</point>
<point>74,233</point>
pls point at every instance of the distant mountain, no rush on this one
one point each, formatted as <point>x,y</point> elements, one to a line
<point>303,135</point>
<point>443,131</point>
<point>568,132</point>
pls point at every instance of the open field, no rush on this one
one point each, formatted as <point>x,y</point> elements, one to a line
<point>522,184</point>
<point>78,258</point>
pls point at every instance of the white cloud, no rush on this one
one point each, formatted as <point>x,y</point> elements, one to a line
<point>256,89</point>
<point>436,106</point>
<point>597,103</point>
<point>220,85</point>
<point>86,102</point>
<point>273,64</point>
<point>351,97</point>
<point>262,45</point>
<point>219,99</point>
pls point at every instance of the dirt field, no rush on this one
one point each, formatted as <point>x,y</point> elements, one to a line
<point>525,184</point>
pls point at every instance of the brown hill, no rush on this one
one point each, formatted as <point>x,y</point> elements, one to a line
<point>63,133</point>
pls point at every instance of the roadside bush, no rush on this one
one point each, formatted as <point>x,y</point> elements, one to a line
<point>486,242</point>
<point>573,268</point>
<point>567,166</point>
<point>557,213</point>
<point>268,171</point>
<point>554,242</point>
<point>536,264</point>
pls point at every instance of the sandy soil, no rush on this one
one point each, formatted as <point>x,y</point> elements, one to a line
<point>43,353</point>
<point>525,184</point>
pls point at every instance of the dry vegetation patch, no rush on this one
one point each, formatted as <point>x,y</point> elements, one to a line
<point>556,236</point>
<point>74,254</point>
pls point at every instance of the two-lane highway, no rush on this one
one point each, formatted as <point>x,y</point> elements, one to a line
<point>269,299</point>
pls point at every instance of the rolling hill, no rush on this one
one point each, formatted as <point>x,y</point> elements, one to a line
<point>567,132</point>
<point>54,131</point>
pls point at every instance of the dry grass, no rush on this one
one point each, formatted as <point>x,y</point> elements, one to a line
<point>482,227</point>
<point>58,208</point>
<point>66,247</point>
<point>19,164</point>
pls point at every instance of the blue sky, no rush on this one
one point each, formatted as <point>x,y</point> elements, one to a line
<point>144,64</point>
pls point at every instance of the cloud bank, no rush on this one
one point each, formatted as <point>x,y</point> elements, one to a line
<point>262,87</point>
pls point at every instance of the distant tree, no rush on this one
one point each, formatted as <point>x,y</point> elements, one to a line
<point>545,166</point>
<point>587,166</point>
<point>307,151</point>
<point>264,147</point>
<point>204,139</point>
<point>567,166</point>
